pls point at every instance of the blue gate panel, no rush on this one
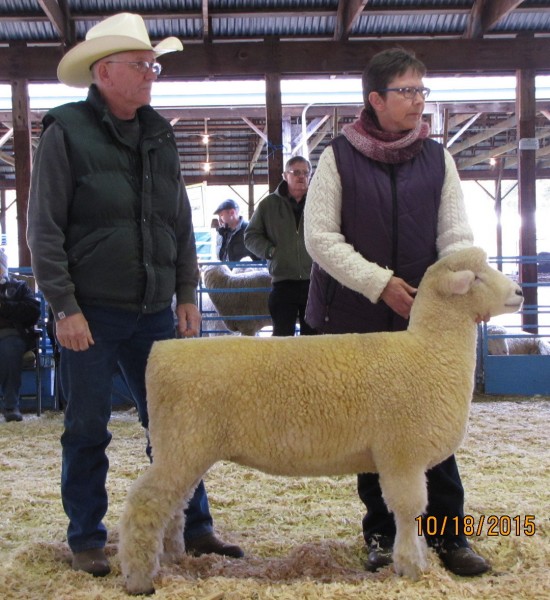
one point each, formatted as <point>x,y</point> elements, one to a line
<point>521,374</point>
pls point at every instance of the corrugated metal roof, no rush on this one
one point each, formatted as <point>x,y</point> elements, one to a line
<point>282,26</point>
<point>248,19</point>
<point>524,22</point>
<point>233,142</point>
<point>19,6</point>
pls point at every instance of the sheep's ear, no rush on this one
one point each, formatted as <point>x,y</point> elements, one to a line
<point>459,282</point>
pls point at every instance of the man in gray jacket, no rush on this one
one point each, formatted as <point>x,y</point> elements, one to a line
<point>111,238</point>
<point>276,233</point>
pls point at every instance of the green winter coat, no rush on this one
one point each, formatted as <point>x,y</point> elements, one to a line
<point>272,234</point>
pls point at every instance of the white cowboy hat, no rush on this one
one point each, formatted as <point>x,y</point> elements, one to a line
<point>119,33</point>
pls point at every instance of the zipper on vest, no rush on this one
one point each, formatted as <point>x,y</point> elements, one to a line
<point>395,230</point>
<point>395,235</point>
<point>329,295</point>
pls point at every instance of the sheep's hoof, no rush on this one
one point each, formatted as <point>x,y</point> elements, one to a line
<point>139,586</point>
<point>169,558</point>
<point>410,569</point>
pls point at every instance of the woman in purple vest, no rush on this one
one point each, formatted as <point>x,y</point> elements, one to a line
<point>384,204</point>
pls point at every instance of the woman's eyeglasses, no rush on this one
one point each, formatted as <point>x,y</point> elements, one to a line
<point>409,92</point>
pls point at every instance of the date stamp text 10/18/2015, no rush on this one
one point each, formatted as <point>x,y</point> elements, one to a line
<point>503,525</point>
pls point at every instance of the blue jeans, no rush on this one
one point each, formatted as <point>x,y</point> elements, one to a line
<point>122,340</point>
<point>12,348</point>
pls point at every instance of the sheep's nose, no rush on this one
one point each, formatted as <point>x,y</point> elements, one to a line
<point>519,292</point>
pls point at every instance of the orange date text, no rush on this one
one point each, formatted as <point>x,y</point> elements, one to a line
<point>490,525</point>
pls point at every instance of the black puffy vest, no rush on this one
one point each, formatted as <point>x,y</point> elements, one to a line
<point>120,238</point>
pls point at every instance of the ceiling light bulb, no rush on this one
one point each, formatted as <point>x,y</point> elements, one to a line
<point>205,138</point>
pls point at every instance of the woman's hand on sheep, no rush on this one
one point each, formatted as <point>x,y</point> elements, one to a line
<point>399,296</point>
<point>481,318</point>
<point>189,320</point>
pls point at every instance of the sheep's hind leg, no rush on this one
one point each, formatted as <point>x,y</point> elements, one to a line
<point>406,496</point>
<point>151,503</point>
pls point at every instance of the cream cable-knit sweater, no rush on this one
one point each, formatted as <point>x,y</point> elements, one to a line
<point>327,246</point>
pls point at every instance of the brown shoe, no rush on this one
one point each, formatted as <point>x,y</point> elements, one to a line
<point>379,555</point>
<point>92,561</point>
<point>210,544</point>
<point>464,562</point>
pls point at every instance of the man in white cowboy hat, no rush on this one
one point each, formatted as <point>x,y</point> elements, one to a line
<point>111,238</point>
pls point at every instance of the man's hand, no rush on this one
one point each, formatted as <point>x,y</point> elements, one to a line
<point>189,320</point>
<point>73,332</point>
<point>399,296</point>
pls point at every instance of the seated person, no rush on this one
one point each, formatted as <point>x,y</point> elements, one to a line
<point>19,312</point>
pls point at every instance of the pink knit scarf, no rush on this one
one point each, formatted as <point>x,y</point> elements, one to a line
<point>384,146</point>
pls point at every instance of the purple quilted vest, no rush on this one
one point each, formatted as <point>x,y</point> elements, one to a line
<point>389,215</point>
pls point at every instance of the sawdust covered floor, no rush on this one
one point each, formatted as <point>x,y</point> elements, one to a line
<point>302,536</point>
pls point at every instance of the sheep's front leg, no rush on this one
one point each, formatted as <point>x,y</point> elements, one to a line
<point>406,496</point>
<point>174,546</point>
<point>152,501</point>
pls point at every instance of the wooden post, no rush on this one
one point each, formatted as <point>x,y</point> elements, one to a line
<point>525,109</point>
<point>23,162</point>
<point>274,118</point>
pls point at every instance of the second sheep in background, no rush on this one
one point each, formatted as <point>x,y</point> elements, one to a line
<point>229,303</point>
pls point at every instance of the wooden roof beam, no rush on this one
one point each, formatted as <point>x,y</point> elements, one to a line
<point>206,29</point>
<point>58,13</point>
<point>499,150</point>
<point>509,123</point>
<point>252,59</point>
<point>311,128</point>
<point>485,14</point>
<point>7,158</point>
<point>470,122</point>
<point>7,136</point>
<point>257,152</point>
<point>325,130</point>
<point>346,15</point>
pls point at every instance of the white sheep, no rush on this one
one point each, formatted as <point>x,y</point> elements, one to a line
<point>253,303</point>
<point>528,343</point>
<point>392,403</point>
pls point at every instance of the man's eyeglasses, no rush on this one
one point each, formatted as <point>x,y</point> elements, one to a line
<point>142,66</point>
<point>298,172</point>
<point>409,92</point>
